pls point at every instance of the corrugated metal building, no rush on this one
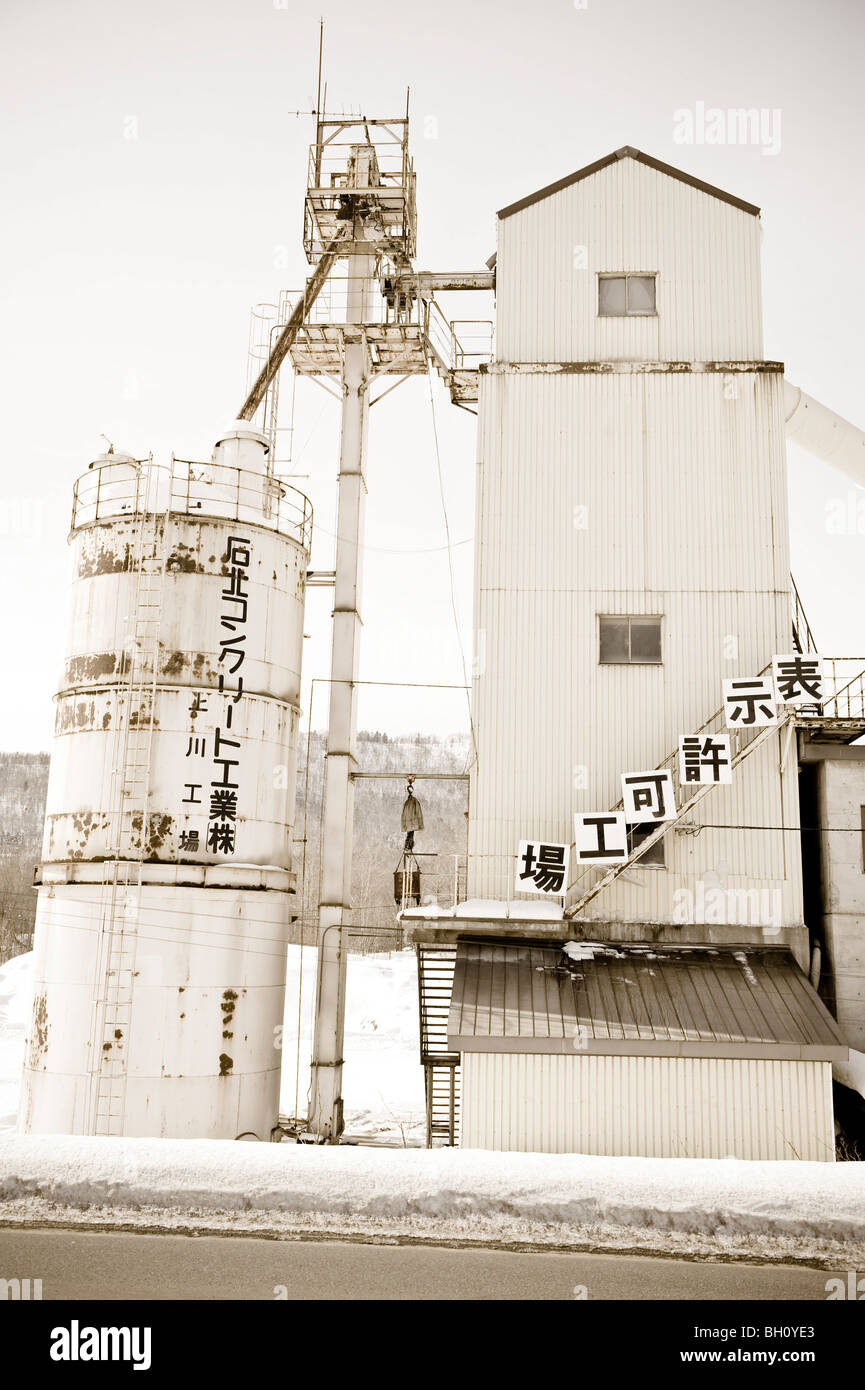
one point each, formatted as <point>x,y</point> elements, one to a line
<point>659,1052</point>
<point>628,465</point>
<point>631,466</point>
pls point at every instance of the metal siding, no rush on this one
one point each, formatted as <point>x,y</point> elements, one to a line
<point>649,1107</point>
<point>195,944</point>
<point>685,487</point>
<point>705,252</point>
<point>638,998</point>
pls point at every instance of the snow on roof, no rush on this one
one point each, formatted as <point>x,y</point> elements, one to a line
<point>487,910</point>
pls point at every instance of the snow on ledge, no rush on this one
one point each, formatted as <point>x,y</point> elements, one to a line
<point>487,909</point>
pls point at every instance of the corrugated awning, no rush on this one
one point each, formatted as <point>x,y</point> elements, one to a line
<point>642,1000</point>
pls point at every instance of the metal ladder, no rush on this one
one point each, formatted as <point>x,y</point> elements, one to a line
<point>121,890</point>
<point>441,1066</point>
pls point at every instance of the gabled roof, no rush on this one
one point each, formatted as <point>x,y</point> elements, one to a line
<point>628,152</point>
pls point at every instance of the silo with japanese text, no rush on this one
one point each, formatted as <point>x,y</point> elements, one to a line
<point>166,885</point>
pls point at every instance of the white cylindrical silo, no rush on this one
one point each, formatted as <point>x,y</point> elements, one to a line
<point>166,885</point>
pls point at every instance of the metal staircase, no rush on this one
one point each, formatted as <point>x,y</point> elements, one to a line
<point>456,362</point>
<point>441,1066</point>
<point>803,641</point>
<point>739,752</point>
<point>130,788</point>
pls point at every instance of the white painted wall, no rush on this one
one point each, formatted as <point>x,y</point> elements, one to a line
<point>628,216</point>
<point>647,1107</point>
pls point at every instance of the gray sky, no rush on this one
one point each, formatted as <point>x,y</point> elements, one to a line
<point>129,264</point>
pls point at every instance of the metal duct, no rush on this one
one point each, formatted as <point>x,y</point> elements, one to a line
<point>823,433</point>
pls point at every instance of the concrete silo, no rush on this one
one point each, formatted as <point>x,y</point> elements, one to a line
<point>166,885</point>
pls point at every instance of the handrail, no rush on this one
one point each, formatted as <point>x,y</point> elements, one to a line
<point>799,612</point>
<point>216,490</point>
<point>829,708</point>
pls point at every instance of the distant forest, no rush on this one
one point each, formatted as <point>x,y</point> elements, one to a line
<point>378,838</point>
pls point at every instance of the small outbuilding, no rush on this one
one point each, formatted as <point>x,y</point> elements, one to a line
<point>648,1051</point>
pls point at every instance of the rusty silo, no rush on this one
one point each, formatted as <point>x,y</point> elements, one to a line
<point>166,885</point>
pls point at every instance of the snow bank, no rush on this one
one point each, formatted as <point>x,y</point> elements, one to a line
<point>16,997</point>
<point>809,1210</point>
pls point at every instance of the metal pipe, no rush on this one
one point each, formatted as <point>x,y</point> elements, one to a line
<point>416,776</point>
<point>426,282</point>
<point>821,432</point>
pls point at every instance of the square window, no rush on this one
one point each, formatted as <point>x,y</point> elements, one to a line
<point>624,296</point>
<point>629,639</point>
<point>654,857</point>
<point>612,296</point>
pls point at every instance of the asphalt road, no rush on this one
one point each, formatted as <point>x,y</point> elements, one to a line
<point>75,1264</point>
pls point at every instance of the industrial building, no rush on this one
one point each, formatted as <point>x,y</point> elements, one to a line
<point>681,989</point>
<point>632,555</point>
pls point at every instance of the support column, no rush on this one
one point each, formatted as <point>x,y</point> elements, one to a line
<point>325,1112</point>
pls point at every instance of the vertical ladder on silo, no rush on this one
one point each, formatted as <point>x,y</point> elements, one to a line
<point>131,777</point>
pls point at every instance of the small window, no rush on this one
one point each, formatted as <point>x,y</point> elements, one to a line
<point>654,857</point>
<point>626,640</point>
<point>625,296</point>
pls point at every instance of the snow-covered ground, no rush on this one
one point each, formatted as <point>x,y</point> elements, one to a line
<point>383,1078</point>
<point>804,1211</point>
<point>16,996</point>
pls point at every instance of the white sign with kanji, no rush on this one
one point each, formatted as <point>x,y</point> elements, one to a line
<point>798,678</point>
<point>749,702</point>
<point>542,868</point>
<point>704,758</point>
<point>648,796</point>
<point>600,837</point>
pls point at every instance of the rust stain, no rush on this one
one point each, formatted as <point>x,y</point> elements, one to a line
<point>72,833</point>
<point>105,551</point>
<point>182,560</point>
<point>159,827</point>
<point>174,664</point>
<point>225,1064</point>
<point>39,1033</point>
<point>93,667</point>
